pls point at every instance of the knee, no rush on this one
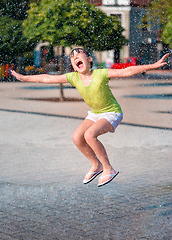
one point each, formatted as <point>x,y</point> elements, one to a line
<point>77,138</point>
<point>89,137</point>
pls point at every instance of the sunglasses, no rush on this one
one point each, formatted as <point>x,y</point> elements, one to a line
<point>78,50</point>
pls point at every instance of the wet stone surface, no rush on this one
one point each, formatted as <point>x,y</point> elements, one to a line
<point>42,195</point>
<point>48,212</point>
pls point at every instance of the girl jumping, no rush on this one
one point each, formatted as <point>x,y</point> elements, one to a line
<point>105,114</point>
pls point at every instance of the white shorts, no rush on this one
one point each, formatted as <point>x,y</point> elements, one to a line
<point>112,117</point>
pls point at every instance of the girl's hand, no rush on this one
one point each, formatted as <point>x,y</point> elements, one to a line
<point>19,77</point>
<point>161,62</point>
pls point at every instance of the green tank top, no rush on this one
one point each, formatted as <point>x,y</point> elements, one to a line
<point>97,95</point>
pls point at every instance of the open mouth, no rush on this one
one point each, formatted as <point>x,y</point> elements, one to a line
<point>79,63</point>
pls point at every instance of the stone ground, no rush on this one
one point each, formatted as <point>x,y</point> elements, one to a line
<point>42,195</point>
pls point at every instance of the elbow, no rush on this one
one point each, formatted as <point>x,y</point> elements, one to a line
<point>128,74</point>
<point>46,79</point>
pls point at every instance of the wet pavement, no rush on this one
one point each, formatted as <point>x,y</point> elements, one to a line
<point>42,195</point>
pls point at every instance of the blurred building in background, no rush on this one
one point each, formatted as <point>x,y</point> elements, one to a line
<point>143,43</point>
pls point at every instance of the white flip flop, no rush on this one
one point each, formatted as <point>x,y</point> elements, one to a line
<point>112,176</point>
<point>95,174</point>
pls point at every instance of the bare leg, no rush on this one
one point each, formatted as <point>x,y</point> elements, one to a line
<point>81,144</point>
<point>100,127</point>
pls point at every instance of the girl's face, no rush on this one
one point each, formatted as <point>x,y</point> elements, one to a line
<point>80,60</point>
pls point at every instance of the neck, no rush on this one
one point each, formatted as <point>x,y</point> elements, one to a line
<point>86,74</point>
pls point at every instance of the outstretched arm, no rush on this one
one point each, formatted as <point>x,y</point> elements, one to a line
<point>133,70</point>
<point>41,78</point>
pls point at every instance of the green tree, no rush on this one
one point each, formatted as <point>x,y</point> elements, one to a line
<point>156,14</point>
<point>14,8</point>
<point>69,23</point>
<point>167,32</point>
<point>12,41</point>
